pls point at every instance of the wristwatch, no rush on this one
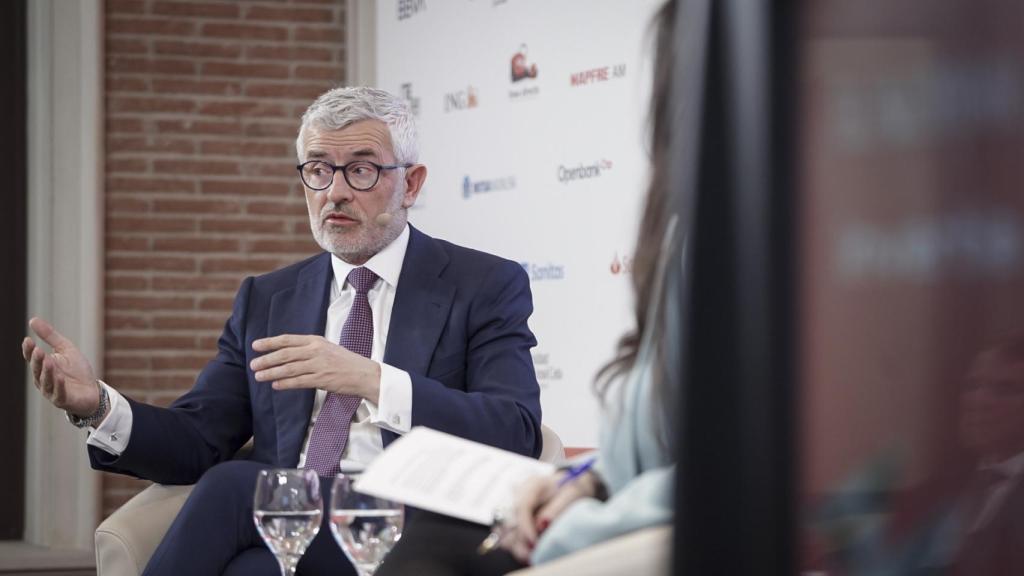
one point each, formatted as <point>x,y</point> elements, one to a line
<point>94,418</point>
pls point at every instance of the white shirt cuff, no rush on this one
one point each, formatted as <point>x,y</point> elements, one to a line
<point>394,411</point>
<point>112,434</point>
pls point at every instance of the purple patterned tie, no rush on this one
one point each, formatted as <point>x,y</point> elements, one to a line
<point>330,432</point>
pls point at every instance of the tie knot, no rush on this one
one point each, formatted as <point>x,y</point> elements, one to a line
<point>362,279</point>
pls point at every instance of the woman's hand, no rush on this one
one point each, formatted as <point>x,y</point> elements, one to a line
<point>538,502</point>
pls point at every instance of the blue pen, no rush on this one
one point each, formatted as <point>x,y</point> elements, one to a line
<point>577,471</point>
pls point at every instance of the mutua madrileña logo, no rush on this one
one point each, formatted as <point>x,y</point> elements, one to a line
<point>409,8</point>
<point>597,75</point>
<point>523,73</point>
<point>461,100</point>
<point>471,187</point>
<point>567,174</point>
<point>541,272</point>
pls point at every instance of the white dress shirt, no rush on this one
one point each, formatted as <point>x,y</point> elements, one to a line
<point>392,412</point>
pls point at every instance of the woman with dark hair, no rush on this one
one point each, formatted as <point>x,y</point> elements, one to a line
<point>630,486</point>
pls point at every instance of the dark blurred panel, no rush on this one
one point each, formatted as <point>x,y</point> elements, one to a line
<point>13,169</point>
<point>910,169</point>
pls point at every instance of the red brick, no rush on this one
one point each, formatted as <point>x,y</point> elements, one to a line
<point>245,148</point>
<point>335,73</point>
<point>238,265</point>
<point>288,53</point>
<point>118,242</point>
<point>120,283</point>
<point>146,27</point>
<point>133,65</point>
<point>150,145</point>
<point>215,303</point>
<point>244,70</point>
<point>212,87</point>
<point>279,169</point>
<point>118,362</point>
<point>242,225</point>
<point>197,206</point>
<point>144,104</point>
<point>195,167</point>
<point>177,283</point>
<point>243,187</point>
<point>265,128</point>
<point>115,125</point>
<point>150,303</point>
<point>305,92</point>
<point>134,46</point>
<point>310,34</point>
<point>141,342</point>
<point>152,263</point>
<point>123,184</point>
<point>243,108</point>
<point>124,7</point>
<point>207,9</point>
<point>192,362</point>
<point>283,207</point>
<point>126,165</point>
<point>117,205</point>
<point>244,32</point>
<point>197,49</point>
<point>149,224</point>
<point>300,15</point>
<point>208,342</point>
<point>189,322</point>
<point>114,322</point>
<point>127,84</point>
<point>292,246</point>
<point>199,127</point>
<point>196,245</point>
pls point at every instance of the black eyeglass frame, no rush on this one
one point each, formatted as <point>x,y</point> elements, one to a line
<point>344,173</point>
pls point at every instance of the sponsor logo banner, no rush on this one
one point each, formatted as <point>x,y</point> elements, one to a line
<point>568,174</point>
<point>597,75</point>
<point>409,8</point>
<point>461,99</point>
<point>542,272</point>
<point>471,187</point>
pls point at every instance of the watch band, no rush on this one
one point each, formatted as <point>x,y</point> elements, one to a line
<point>94,418</point>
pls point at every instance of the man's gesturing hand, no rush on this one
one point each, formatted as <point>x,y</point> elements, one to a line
<point>294,361</point>
<point>64,376</point>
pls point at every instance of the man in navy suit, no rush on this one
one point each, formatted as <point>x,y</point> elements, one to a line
<point>325,362</point>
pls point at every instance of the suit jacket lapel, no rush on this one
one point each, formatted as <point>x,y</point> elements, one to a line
<point>421,305</point>
<point>301,309</point>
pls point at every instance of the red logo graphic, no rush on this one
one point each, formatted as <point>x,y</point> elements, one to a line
<point>520,69</point>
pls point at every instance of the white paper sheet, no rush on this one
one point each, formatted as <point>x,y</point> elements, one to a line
<point>448,475</point>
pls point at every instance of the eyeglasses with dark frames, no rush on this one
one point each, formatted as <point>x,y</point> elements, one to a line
<point>361,175</point>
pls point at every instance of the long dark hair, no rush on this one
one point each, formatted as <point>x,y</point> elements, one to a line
<point>654,222</point>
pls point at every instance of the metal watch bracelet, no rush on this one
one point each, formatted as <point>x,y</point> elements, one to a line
<point>94,418</point>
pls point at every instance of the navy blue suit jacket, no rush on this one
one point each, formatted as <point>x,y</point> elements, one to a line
<point>458,327</point>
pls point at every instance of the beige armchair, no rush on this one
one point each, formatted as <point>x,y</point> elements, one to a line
<point>126,540</point>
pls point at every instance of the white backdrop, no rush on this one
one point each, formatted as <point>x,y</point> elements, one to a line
<point>548,170</point>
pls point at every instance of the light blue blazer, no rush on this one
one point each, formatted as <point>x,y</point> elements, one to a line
<point>634,462</point>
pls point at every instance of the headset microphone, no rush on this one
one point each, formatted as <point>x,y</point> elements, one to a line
<point>383,219</point>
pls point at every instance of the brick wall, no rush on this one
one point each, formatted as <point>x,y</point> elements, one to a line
<point>203,100</point>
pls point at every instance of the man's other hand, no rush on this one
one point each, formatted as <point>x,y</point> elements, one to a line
<point>306,361</point>
<point>64,376</point>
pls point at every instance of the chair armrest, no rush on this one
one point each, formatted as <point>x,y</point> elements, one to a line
<point>642,552</point>
<point>126,540</point>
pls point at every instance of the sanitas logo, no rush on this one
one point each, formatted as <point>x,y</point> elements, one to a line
<point>596,75</point>
<point>409,8</point>
<point>461,100</point>
<point>622,265</point>
<point>567,174</point>
<point>539,272</point>
<point>414,102</point>
<point>471,187</point>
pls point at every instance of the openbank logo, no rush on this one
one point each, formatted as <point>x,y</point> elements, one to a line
<point>405,92</point>
<point>541,272</point>
<point>409,8</point>
<point>597,75</point>
<point>567,174</point>
<point>461,100</point>
<point>471,187</point>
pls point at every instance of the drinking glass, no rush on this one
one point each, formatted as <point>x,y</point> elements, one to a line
<point>366,527</point>
<point>288,508</point>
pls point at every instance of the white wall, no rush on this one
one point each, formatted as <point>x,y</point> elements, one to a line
<point>541,171</point>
